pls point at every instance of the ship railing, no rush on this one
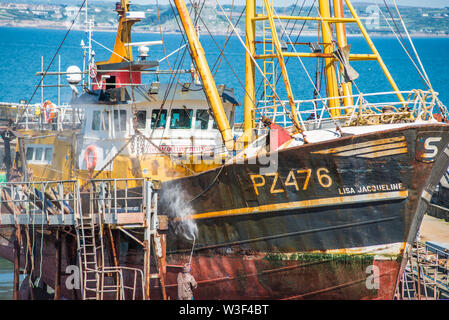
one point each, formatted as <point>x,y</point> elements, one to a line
<point>112,201</point>
<point>437,259</point>
<point>367,109</point>
<point>114,198</point>
<point>426,273</point>
<point>125,285</point>
<point>36,117</point>
<point>39,202</point>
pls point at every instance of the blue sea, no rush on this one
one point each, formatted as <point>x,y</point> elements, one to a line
<point>22,50</point>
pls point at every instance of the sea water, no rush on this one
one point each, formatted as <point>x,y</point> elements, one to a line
<point>23,48</point>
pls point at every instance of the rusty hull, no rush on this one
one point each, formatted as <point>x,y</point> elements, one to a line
<point>291,241</point>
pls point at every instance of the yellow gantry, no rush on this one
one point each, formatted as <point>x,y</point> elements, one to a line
<point>282,65</point>
<point>333,35</point>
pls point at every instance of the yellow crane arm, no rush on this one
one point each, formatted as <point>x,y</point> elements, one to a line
<point>197,53</point>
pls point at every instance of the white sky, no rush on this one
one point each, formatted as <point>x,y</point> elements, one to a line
<point>418,3</point>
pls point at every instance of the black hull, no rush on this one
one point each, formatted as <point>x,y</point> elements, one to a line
<point>360,207</point>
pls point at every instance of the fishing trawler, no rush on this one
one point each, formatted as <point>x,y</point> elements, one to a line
<point>308,199</point>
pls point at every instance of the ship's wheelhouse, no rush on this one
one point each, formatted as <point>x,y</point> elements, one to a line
<point>180,125</point>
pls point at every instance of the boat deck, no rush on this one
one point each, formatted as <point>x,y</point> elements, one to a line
<point>120,202</point>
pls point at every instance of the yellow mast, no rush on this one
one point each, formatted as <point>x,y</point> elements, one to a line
<point>331,75</point>
<point>250,93</point>
<point>207,79</point>
<point>121,52</point>
<point>342,42</point>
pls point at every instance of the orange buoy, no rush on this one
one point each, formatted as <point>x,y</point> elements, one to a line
<point>91,157</point>
<point>50,114</point>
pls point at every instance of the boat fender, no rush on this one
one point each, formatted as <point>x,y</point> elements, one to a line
<point>91,157</point>
<point>50,113</point>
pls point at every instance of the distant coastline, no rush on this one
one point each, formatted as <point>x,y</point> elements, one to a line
<point>140,30</point>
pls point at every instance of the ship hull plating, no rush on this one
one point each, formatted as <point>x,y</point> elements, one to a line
<point>329,220</point>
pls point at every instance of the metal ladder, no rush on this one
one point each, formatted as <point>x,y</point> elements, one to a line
<point>408,284</point>
<point>85,225</point>
<point>269,66</point>
<point>98,280</point>
<point>153,239</point>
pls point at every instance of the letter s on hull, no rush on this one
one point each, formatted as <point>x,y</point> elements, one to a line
<point>427,147</point>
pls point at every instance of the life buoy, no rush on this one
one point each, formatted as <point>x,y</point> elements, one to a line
<point>50,113</point>
<point>90,157</point>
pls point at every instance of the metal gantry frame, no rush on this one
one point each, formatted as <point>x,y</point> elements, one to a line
<point>110,202</point>
<point>426,274</point>
<point>329,22</point>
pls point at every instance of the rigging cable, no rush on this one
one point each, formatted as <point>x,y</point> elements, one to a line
<point>228,37</point>
<point>413,46</point>
<point>258,67</point>
<point>162,38</point>
<point>310,79</point>
<point>297,38</point>
<point>401,41</point>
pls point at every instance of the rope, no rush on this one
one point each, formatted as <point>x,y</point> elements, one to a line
<point>42,239</point>
<point>413,47</point>
<point>228,36</point>
<point>162,38</point>
<point>401,41</point>
<point>208,187</point>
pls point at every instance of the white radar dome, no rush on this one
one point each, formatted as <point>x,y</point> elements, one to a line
<point>73,75</point>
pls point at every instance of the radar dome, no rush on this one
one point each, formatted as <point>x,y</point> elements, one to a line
<point>73,75</point>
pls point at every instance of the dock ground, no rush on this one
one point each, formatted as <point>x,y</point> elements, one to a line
<point>434,229</point>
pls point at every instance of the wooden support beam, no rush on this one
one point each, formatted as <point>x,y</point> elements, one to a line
<point>58,265</point>
<point>157,241</point>
<point>147,255</point>
<point>16,282</point>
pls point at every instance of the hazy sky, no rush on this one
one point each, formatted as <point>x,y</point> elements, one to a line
<point>419,3</point>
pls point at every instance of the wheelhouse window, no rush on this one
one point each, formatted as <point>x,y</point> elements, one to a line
<point>160,116</point>
<point>202,119</point>
<point>119,120</point>
<point>48,155</point>
<point>100,121</point>
<point>214,124</point>
<point>40,154</point>
<point>181,119</point>
<point>30,153</point>
<point>141,119</point>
